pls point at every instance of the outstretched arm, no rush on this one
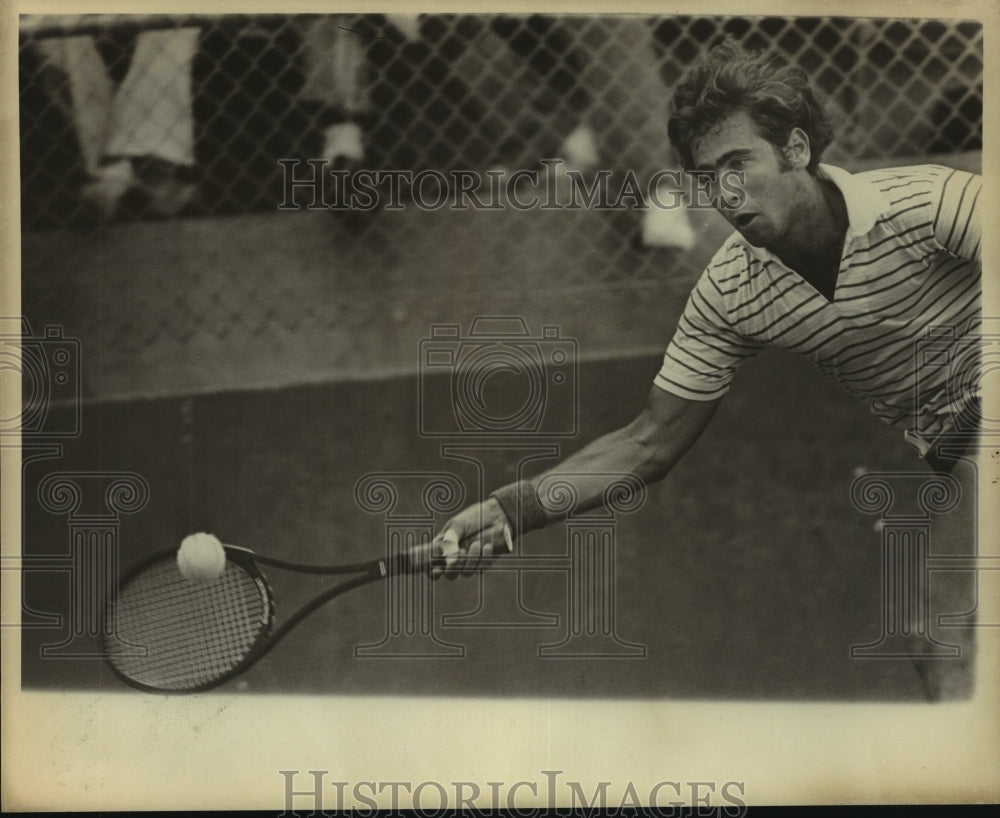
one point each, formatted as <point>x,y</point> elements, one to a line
<point>648,448</point>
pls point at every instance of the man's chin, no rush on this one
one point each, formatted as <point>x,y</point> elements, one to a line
<point>749,227</point>
<point>752,237</point>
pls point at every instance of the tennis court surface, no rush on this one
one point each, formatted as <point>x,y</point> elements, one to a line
<point>747,574</point>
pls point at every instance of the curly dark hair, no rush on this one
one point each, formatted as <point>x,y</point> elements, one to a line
<point>778,97</point>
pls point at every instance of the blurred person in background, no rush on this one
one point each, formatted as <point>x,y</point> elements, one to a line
<point>596,84</point>
<point>136,134</point>
<point>338,79</point>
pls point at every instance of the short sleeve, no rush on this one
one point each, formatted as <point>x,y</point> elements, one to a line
<point>706,349</point>
<point>956,220</point>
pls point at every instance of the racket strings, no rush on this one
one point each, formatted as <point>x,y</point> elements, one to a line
<point>193,634</point>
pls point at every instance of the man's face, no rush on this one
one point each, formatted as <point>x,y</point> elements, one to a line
<point>770,185</point>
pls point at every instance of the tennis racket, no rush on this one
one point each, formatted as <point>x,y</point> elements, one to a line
<point>169,634</point>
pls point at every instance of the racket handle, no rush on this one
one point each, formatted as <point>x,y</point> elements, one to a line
<point>397,564</point>
<point>403,564</point>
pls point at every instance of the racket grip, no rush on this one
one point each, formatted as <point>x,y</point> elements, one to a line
<point>403,563</point>
<point>400,563</point>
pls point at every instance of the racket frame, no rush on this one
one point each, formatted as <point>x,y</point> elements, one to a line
<point>269,636</point>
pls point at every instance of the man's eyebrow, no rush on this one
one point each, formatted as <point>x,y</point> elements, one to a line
<point>736,152</point>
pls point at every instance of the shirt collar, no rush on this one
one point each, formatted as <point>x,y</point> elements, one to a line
<point>865,202</point>
<point>865,205</point>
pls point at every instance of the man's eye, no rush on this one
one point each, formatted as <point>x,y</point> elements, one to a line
<point>738,164</point>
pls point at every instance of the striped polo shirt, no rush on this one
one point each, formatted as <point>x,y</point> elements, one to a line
<point>901,330</point>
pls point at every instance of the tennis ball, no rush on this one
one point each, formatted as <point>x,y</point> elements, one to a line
<point>201,558</point>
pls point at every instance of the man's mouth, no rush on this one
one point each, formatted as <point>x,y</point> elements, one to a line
<point>741,220</point>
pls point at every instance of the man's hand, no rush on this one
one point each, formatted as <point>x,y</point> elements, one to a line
<point>468,542</point>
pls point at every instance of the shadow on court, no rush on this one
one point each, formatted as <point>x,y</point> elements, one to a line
<point>747,574</point>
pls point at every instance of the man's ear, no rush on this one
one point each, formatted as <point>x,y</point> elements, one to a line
<point>797,152</point>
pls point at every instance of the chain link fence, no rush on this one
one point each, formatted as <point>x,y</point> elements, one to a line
<point>204,107</point>
<point>132,121</point>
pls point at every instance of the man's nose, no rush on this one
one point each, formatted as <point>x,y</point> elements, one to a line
<point>729,199</point>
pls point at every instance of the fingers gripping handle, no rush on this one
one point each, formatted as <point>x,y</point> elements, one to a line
<point>448,545</point>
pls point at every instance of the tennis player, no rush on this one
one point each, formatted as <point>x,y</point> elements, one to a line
<point>849,270</point>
